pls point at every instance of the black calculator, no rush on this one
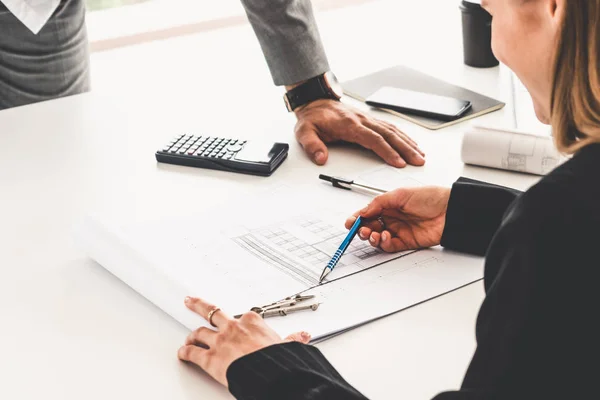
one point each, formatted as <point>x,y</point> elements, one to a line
<point>247,157</point>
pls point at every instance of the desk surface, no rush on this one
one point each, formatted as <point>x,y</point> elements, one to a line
<point>70,330</point>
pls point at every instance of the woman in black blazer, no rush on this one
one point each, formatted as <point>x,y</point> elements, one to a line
<point>537,330</point>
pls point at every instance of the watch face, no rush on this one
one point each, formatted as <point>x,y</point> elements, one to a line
<point>333,83</point>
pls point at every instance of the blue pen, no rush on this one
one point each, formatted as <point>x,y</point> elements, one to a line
<point>340,251</point>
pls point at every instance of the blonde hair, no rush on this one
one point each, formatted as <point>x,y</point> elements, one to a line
<point>575,103</point>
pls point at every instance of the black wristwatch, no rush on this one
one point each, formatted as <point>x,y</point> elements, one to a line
<point>324,86</point>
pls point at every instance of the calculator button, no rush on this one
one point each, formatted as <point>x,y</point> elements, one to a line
<point>173,150</point>
<point>234,148</point>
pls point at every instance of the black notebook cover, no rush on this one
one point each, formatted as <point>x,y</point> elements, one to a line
<point>409,79</point>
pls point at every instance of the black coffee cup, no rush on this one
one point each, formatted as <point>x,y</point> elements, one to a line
<point>477,36</point>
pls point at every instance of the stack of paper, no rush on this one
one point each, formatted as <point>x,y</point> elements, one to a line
<point>274,247</point>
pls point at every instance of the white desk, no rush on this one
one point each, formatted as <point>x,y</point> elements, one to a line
<point>69,330</point>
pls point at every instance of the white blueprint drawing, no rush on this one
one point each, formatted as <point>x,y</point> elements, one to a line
<point>272,247</point>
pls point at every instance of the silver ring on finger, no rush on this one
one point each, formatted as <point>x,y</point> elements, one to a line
<point>380,220</point>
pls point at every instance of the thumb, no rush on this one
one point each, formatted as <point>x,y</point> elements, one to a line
<point>312,144</point>
<point>302,337</point>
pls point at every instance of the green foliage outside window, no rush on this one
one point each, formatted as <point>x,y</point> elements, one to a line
<point>104,4</point>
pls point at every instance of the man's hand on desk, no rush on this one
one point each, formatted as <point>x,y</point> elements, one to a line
<point>326,121</point>
<point>404,219</point>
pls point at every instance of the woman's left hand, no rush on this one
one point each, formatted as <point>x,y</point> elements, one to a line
<point>214,351</point>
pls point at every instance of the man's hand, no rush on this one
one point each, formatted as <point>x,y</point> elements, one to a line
<point>326,121</point>
<point>404,219</point>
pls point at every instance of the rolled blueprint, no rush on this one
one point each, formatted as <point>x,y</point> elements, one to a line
<point>510,150</point>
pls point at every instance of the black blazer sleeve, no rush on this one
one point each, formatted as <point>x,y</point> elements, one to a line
<point>289,371</point>
<point>475,211</point>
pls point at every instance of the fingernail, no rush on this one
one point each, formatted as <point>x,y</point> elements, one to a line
<point>320,157</point>
<point>305,335</point>
<point>400,162</point>
<point>188,300</point>
<point>372,239</point>
<point>364,210</point>
<point>384,237</point>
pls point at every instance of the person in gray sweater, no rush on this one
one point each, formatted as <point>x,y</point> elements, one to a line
<point>50,63</point>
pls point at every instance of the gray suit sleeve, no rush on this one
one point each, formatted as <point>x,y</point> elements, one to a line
<point>289,37</point>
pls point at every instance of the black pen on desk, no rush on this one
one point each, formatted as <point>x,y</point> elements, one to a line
<point>348,184</point>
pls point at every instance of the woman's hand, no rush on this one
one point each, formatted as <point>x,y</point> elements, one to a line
<point>404,219</point>
<point>214,351</point>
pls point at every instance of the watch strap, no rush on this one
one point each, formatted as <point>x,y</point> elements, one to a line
<point>311,90</point>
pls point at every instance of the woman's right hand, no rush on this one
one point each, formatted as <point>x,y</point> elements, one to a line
<point>412,218</point>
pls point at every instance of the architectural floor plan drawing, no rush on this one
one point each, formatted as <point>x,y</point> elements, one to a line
<point>302,247</point>
<point>260,250</point>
